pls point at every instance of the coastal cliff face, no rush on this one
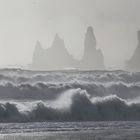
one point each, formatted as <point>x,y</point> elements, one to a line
<point>57,57</point>
<point>134,62</point>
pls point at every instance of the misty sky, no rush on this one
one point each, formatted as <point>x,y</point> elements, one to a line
<point>23,22</point>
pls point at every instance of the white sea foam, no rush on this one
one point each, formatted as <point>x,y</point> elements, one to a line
<point>69,96</point>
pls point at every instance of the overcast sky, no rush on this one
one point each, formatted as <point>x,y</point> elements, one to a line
<point>22,22</point>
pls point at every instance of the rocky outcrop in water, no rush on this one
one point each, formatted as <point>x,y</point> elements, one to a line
<point>54,58</point>
<point>134,62</point>
<point>57,57</point>
<point>92,58</point>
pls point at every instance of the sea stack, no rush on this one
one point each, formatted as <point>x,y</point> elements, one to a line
<point>134,62</point>
<point>92,57</point>
<point>54,58</point>
<point>58,58</point>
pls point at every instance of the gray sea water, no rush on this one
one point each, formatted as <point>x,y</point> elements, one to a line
<point>70,131</point>
<point>69,105</point>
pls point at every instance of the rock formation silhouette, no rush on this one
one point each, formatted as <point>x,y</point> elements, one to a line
<point>134,63</point>
<point>92,58</point>
<point>54,58</point>
<point>57,57</point>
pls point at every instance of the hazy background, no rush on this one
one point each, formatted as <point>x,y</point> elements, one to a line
<point>22,22</point>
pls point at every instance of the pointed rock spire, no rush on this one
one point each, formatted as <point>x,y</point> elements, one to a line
<point>38,45</point>
<point>57,37</point>
<point>58,43</point>
<point>54,58</point>
<point>90,40</point>
<point>57,57</point>
<point>92,58</point>
<point>134,62</point>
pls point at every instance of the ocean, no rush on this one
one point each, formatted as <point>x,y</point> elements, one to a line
<point>70,131</point>
<point>69,105</point>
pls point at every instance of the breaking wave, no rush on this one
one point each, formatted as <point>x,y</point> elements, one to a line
<point>50,91</point>
<point>27,96</point>
<point>73,105</point>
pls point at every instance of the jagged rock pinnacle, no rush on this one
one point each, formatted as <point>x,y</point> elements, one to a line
<point>133,63</point>
<point>92,58</point>
<point>38,45</point>
<point>57,57</point>
<point>90,40</point>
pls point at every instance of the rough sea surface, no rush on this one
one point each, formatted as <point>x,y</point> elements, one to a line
<point>71,131</point>
<point>69,104</point>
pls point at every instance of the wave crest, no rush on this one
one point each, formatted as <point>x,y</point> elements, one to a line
<point>83,107</point>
